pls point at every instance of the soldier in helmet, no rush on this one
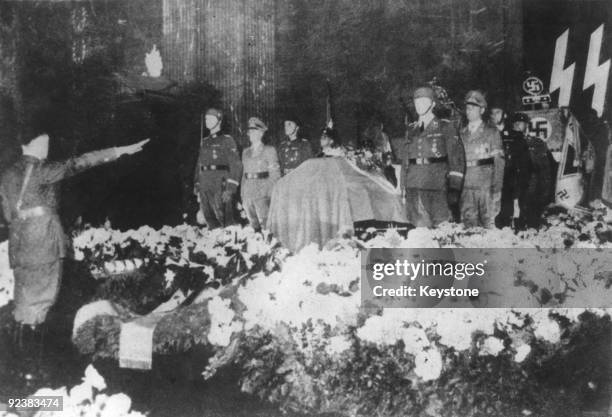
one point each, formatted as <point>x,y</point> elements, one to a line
<point>217,173</point>
<point>537,194</point>
<point>481,197</point>
<point>433,164</point>
<point>517,167</point>
<point>261,171</point>
<point>293,150</point>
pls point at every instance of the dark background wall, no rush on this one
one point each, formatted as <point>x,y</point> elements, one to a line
<point>545,21</point>
<point>374,52</point>
<point>264,58</point>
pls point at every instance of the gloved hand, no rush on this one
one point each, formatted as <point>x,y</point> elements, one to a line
<point>452,197</point>
<point>227,196</point>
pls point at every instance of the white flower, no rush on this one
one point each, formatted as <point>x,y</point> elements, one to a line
<point>81,393</point>
<point>491,346</point>
<point>422,237</point>
<point>117,405</point>
<point>78,254</point>
<point>337,345</point>
<point>221,335</point>
<point>220,311</point>
<point>110,267</point>
<point>546,328</point>
<point>7,280</point>
<point>428,364</point>
<point>169,277</point>
<point>415,340</point>
<point>522,352</point>
<point>93,378</point>
<point>222,324</point>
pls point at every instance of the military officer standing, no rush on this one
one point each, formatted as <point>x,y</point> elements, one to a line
<point>29,191</point>
<point>293,150</point>
<point>516,170</point>
<point>481,197</point>
<point>261,171</point>
<point>433,164</point>
<point>537,195</point>
<point>217,173</point>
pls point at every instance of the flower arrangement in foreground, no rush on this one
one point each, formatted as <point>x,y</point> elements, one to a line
<point>323,327</point>
<point>87,399</point>
<point>303,340</point>
<point>6,276</point>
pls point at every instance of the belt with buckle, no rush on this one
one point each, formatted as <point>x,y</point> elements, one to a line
<point>256,175</point>
<point>33,212</point>
<point>214,168</point>
<point>427,161</point>
<point>480,162</point>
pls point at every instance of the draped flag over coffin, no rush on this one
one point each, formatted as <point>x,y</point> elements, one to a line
<point>324,197</point>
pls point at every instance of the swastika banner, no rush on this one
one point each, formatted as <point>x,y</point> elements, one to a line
<point>546,124</point>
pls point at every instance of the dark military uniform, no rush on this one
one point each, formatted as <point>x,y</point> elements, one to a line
<point>36,238</point>
<point>218,169</point>
<point>539,184</point>
<point>483,177</point>
<point>261,171</point>
<point>517,171</point>
<point>433,161</point>
<point>291,153</point>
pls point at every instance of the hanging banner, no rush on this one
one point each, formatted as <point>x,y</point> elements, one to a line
<point>570,187</point>
<point>546,124</point>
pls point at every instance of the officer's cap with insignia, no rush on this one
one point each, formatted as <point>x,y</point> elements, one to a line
<point>256,124</point>
<point>214,112</point>
<point>476,98</point>
<point>424,91</point>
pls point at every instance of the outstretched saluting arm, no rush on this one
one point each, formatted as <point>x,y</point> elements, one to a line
<point>57,171</point>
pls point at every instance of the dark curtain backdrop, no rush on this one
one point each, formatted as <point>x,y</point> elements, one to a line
<point>265,58</point>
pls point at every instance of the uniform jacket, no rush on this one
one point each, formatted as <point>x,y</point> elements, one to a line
<point>291,153</point>
<point>484,143</point>
<point>264,161</point>
<point>517,169</point>
<point>217,149</point>
<point>438,139</point>
<point>40,239</point>
<point>540,180</point>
